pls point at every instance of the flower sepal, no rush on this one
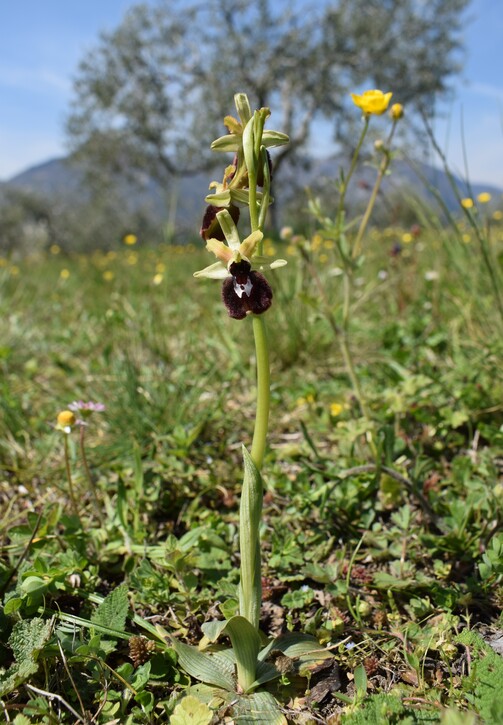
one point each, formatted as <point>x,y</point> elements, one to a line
<point>229,142</point>
<point>233,142</point>
<point>274,138</point>
<point>239,197</point>
<point>213,271</point>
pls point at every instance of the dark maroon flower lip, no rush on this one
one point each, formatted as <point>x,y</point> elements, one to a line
<point>245,291</point>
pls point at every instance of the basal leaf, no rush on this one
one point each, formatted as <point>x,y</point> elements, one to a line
<point>209,668</point>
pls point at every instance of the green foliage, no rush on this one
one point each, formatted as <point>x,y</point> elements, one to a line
<point>486,674</point>
<point>383,571</point>
<point>113,610</point>
<point>27,639</point>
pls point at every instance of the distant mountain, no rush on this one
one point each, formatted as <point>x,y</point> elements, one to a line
<point>60,179</point>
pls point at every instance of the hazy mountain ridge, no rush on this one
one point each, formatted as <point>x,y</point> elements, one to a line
<point>60,179</point>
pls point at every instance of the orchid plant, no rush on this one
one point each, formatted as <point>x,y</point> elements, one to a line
<point>233,676</point>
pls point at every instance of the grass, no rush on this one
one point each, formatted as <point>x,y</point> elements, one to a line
<point>396,569</point>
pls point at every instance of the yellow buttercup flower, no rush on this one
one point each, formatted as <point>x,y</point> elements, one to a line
<point>467,203</point>
<point>130,239</point>
<point>336,409</point>
<point>372,102</point>
<point>484,197</point>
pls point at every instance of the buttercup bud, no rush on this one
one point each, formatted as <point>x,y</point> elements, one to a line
<point>396,111</point>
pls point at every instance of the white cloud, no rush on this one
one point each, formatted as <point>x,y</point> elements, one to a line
<point>486,89</point>
<point>34,79</point>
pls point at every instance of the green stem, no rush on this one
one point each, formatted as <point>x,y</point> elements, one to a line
<point>250,513</point>
<point>263,391</point>
<point>90,480</point>
<point>371,203</point>
<point>350,366</point>
<point>70,479</point>
<point>354,161</point>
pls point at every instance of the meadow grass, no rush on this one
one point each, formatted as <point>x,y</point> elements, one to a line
<point>388,565</point>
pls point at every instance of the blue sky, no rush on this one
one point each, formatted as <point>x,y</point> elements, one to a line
<point>43,40</point>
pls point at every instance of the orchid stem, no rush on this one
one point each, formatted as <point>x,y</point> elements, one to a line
<point>263,392</point>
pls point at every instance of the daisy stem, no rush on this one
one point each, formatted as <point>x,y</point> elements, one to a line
<point>70,479</point>
<point>92,485</point>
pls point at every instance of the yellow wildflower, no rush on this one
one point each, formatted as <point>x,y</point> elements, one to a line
<point>157,278</point>
<point>336,409</point>
<point>498,215</point>
<point>372,102</point>
<point>467,203</point>
<point>130,239</point>
<point>484,197</point>
<point>407,237</point>
<point>64,274</point>
<point>55,249</point>
<point>108,275</point>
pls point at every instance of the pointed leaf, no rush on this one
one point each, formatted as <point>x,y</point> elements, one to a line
<point>259,708</point>
<point>208,668</point>
<point>245,641</point>
<point>250,586</point>
<point>213,630</point>
<point>245,644</point>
